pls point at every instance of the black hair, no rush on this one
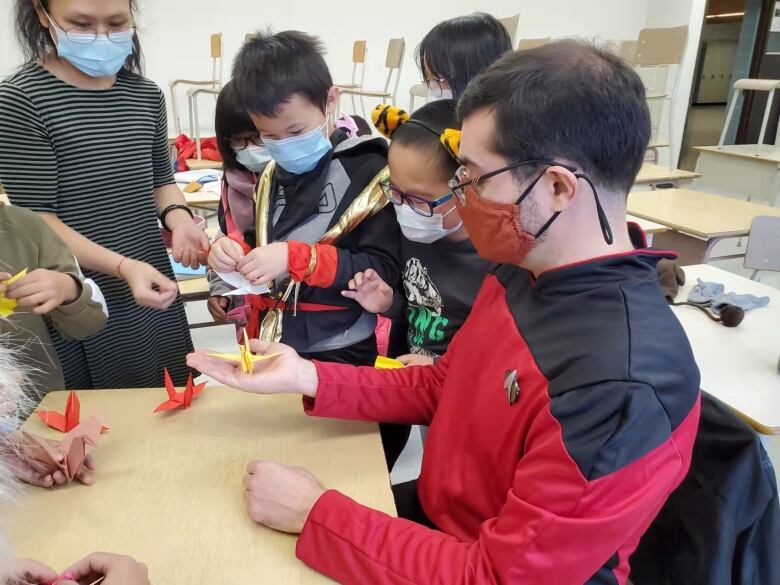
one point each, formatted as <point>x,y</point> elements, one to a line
<point>230,121</point>
<point>271,68</point>
<point>459,49</point>
<point>423,131</point>
<point>36,41</point>
<point>567,100</point>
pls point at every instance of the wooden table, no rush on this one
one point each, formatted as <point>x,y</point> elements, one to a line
<point>197,165</point>
<point>739,365</point>
<point>168,489</point>
<point>740,170</point>
<point>652,175</point>
<point>699,220</point>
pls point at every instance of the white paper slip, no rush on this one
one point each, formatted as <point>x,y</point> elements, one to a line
<point>242,285</point>
<point>187,176</point>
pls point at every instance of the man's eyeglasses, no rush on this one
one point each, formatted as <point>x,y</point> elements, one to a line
<point>462,180</point>
<point>418,204</point>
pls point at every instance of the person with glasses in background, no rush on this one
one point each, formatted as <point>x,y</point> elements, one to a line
<point>564,412</point>
<point>457,50</point>
<point>84,142</point>
<point>442,271</point>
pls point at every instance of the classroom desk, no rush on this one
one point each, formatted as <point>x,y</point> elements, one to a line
<point>699,220</point>
<point>168,487</point>
<point>198,165</point>
<point>738,365</point>
<point>740,170</point>
<point>651,175</point>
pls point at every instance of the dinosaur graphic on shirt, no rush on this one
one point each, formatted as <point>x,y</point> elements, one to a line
<point>425,306</point>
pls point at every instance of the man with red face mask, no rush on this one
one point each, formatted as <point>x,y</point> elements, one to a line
<point>564,411</point>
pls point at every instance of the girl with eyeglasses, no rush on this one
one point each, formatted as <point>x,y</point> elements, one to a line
<point>442,271</point>
<point>84,142</point>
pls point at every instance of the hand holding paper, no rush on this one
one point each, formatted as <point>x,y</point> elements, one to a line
<point>242,285</point>
<point>65,458</point>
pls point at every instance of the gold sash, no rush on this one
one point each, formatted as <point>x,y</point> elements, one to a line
<point>367,204</point>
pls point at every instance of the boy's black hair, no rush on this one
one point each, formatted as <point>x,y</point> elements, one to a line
<point>271,68</point>
<point>36,41</point>
<point>458,49</point>
<point>437,117</point>
<point>566,100</point>
<point>230,120</point>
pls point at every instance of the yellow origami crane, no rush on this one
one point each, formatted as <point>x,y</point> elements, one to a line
<point>7,306</point>
<point>245,358</point>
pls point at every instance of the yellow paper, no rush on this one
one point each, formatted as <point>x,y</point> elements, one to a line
<point>245,358</point>
<point>385,363</point>
<point>7,306</point>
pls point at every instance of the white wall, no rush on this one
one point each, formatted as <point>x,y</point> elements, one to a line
<point>668,13</point>
<point>175,33</point>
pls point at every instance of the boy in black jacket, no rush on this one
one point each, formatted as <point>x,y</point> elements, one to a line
<point>320,215</point>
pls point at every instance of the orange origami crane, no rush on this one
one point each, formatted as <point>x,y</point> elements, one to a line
<point>7,306</point>
<point>179,399</point>
<point>245,358</point>
<point>67,421</point>
<point>73,449</point>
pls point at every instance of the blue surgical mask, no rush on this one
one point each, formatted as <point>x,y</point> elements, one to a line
<point>253,157</point>
<point>299,154</point>
<point>96,56</point>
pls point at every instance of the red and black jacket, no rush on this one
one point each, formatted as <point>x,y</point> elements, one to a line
<point>556,487</point>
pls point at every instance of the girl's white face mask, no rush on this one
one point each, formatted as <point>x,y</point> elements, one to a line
<point>422,229</point>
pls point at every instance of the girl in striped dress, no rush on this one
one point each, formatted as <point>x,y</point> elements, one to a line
<point>83,141</point>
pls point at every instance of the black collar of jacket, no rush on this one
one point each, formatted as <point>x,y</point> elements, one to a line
<point>637,265</point>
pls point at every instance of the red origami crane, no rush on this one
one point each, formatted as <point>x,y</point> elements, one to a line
<point>67,421</point>
<point>179,399</point>
<point>74,448</point>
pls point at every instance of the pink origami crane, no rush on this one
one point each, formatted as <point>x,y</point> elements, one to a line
<point>74,448</point>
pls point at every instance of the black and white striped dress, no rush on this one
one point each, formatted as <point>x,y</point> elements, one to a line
<point>93,158</point>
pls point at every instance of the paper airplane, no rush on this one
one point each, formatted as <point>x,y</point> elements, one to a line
<point>385,363</point>
<point>179,399</point>
<point>245,358</point>
<point>67,421</point>
<point>242,285</point>
<point>74,448</point>
<point>7,306</point>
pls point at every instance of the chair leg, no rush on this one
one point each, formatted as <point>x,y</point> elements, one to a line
<point>363,108</point>
<point>175,112</point>
<point>196,119</point>
<point>753,275</point>
<point>352,99</point>
<point>192,122</point>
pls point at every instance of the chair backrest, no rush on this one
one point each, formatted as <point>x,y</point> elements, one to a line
<point>661,46</point>
<point>526,44</point>
<point>395,53</point>
<point>767,85</point>
<point>510,24</point>
<point>359,52</point>
<point>763,247</point>
<point>216,60</point>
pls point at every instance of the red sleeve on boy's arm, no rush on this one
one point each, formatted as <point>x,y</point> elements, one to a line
<point>406,395</point>
<point>299,264</point>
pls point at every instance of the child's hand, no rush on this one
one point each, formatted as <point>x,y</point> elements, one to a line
<point>225,255</point>
<point>117,570</point>
<point>217,306</point>
<point>149,286</point>
<point>370,291</point>
<point>3,277</point>
<point>33,472</point>
<point>264,264</point>
<point>414,359</point>
<point>43,290</point>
